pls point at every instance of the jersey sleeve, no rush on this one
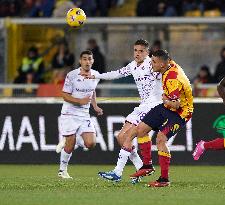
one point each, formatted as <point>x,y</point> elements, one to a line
<point>172,86</point>
<point>96,73</point>
<point>120,73</point>
<point>68,86</point>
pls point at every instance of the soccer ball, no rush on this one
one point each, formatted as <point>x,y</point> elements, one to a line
<point>75,17</point>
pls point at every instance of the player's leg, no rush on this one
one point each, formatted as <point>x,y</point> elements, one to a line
<point>145,146</point>
<point>144,143</point>
<point>88,134</point>
<point>89,139</point>
<point>126,151</point>
<point>69,126</point>
<point>60,145</point>
<point>164,161</point>
<point>121,136</point>
<point>142,130</point>
<point>65,156</point>
<point>124,154</point>
<point>134,157</point>
<point>170,123</point>
<point>216,144</point>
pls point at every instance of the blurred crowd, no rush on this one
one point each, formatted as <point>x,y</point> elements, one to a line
<point>34,69</point>
<point>57,8</point>
<point>180,7</point>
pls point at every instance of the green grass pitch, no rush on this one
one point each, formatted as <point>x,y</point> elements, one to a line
<point>39,185</point>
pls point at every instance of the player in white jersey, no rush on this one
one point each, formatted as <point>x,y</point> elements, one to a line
<point>78,93</point>
<point>150,90</point>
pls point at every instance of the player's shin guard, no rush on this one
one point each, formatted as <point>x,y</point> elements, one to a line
<point>122,160</point>
<point>164,162</point>
<point>217,144</point>
<point>145,145</point>
<point>64,160</point>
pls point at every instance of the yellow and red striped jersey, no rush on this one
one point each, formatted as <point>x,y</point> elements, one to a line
<point>176,85</point>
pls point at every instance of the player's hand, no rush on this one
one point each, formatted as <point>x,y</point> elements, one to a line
<point>98,110</point>
<point>85,100</point>
<point>164,97</point>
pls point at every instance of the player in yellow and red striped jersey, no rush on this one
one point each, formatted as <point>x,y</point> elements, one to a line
<point>170,116</point>
<point>176,86</point>
<point>218,143</point>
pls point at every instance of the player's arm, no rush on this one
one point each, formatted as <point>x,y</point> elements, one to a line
<point>172,85</point>
<point>76,101</point>
<point>221,89</point>
<point>97,109</point>
<point>120,73</point>
<point>68,89</point>
<point>175,104</point>
<point>108,76</point>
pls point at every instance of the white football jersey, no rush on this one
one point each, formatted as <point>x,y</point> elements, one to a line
<point>78,87</point>
<point>148,83</point>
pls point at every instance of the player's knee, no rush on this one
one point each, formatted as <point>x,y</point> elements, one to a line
<point>69,148</point>
<point>90,144</point>
<point>120,138</point>
<point>140,132</point>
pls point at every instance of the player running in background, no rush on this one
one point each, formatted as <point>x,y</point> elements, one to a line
<point>78,93</point>
<point>170,116</point>
<point>150,90</point>
<point>218,143</point>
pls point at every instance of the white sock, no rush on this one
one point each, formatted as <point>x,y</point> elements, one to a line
<point>64,160</point>
<point>121,162</point>
<point>135,159</point>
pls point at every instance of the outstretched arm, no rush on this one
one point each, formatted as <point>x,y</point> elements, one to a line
<point>109,75</point>
<point>120,73</point>
<point>221,89</point>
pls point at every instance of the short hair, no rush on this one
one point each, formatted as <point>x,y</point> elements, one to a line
<point>142,42</point>
<point>162,54</point>
<point>88,52</point>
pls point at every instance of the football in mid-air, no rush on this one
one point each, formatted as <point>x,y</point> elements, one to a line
<point>75,17</point>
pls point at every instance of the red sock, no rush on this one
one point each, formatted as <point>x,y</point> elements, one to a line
<point>146,154</point>
<point>216,144</point>
<point>164,162</point>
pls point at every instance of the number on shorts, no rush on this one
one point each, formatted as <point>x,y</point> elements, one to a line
<point>142,115</point>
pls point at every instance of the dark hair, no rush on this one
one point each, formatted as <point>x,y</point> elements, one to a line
<point>142,42</point>
<point>162,54</point>
<point>88,52</point>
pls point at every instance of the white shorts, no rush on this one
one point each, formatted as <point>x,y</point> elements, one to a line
<point>71,125</point>
<point>139,112</point>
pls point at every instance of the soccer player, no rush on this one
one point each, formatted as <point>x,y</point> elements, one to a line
<point>78,93</point>
<point>150,90</point>
<point>170,116</point>
<point>218,143</point>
